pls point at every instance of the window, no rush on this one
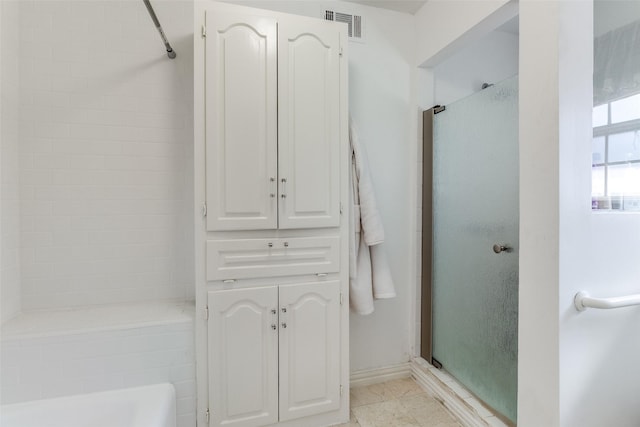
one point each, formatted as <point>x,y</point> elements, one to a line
<point>615,182</point>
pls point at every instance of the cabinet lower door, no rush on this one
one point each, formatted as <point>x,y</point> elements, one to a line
<point>309,349</point>
<point>243,357</point>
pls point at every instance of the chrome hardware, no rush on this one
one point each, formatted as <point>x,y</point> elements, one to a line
<point>286,244</point>
<point>229,281</point>
<point>321,274</point>
<point>284,325</point>
<point>274,327</point>
<point>500,248</point>
<point>284,188</point>
<point>272,179</point>
<point>270,244</point>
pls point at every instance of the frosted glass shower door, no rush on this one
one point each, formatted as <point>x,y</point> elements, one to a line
<point>475,206</point>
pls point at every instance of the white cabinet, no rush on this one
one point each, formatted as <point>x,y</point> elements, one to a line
<point>272,122</point>
<point>271,182</point>
<point>249,328</point>
<point>243,357</point>
<point>241,122</point>
<point>309,349</point>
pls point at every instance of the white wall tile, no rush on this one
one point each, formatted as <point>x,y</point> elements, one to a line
<point>104,148</point>
<point>47,367</point>
<point>10,270</point>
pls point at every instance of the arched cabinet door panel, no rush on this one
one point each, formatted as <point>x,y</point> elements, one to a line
<point>309,349</point>
<point>241,122</point>
<point>309,124</point>
<point>243,356</point>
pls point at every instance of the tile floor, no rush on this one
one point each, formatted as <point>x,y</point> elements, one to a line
<point>397,403</point>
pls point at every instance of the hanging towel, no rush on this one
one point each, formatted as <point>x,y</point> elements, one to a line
<point>370,276</point>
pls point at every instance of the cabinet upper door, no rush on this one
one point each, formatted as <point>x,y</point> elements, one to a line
<point>243,356</point>
<point>309,123</point>
<point>241,122</point>
<point>309,349</point>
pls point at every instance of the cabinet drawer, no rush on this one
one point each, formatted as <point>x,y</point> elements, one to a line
<point>252,258</point>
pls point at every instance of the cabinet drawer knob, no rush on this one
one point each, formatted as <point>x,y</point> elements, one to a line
<point>286,244</point>
<point>270,244</point>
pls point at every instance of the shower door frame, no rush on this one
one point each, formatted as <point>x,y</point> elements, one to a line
<point>426,310</point>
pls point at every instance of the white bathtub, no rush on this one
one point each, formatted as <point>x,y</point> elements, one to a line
<point>149,406</point>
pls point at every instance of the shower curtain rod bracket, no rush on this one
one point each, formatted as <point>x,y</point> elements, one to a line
<point>170,52</point>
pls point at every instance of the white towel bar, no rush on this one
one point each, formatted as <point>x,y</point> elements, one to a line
<point>582,301</point>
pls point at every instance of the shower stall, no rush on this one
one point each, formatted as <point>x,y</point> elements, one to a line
<point>470,243</point>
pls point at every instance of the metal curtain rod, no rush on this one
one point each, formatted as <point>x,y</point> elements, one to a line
<point>170,52</point>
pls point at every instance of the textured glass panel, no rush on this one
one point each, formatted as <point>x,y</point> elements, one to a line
<point>600,115</point>
<point>624,147</point>
<point>625,109</point>
<point>598,150</point>
<point>475,291</point>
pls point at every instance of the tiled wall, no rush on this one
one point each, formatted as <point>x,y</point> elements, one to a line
<point>10,212</point>
<point>45,367</point>
<point>105,153</point>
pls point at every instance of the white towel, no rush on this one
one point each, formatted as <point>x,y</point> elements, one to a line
<point>370,275</point>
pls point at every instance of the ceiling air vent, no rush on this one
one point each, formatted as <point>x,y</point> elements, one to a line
<point>353,21</point>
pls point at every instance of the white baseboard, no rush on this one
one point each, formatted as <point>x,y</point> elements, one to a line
<point>379,375</point>
<point>462,405</point>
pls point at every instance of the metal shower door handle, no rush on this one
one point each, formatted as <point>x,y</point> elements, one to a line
<point>501,248</point>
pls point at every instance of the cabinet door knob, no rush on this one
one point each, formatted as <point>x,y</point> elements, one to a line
<point>284,188</point>
<point>270,244</point>
<point>284,325</point>
<point>284,309</point>
<point>273,326</point>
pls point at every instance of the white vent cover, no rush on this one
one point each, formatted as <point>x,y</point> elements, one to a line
<point>353,21</point>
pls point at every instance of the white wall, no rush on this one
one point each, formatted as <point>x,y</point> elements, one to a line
<point>490,59</point>
<point>576,369</point>
<point>443,26</point>
<point>382,103</point>
<point>10,212</point>
<point>105,153</point>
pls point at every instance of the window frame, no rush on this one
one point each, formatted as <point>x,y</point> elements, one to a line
<point>606,131</point>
